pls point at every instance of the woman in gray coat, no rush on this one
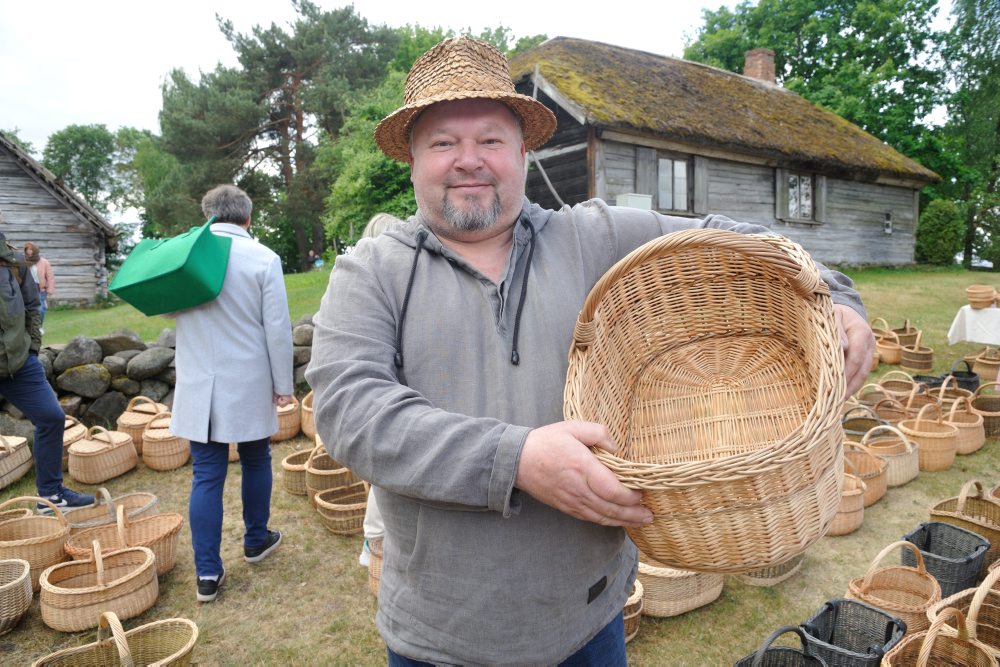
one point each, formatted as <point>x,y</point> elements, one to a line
<point>234,365</point>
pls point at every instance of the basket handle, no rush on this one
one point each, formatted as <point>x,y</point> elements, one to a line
<point>923,658</point>
<point>954,407</point>
<point>920,415</point>
<point>863,408</point>
<point>871,385</point>
<point>977,600</point>
<point>137,400</point>
<point>758,656</point>
<point>891,429</point>
<point>95,547</point>
<point>962,495</point>
<point>56,512</point>
<point>944,385</point>
<point>867,582</point>
<point>159,415</point>
<point>876,320</point>
<point>917,390</point>
<point>121,522</point>
<point>968,366</point>
<point>986,385</point>
<point>96,429</point>
<point>109,624</point>
<point>862,448</point>
<point>890,402</point>
<point>916,341</point>
<point>888,334</point>
<point>891,375</point>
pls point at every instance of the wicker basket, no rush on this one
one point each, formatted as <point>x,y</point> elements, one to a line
<point>139,412</point>
<point>937,440</point>
<point>289,421</point>
<point>768,655</point>
<point>986,364</point>
<point>375,546</point>
<point>15,592</point>
<point>897,450</point>
<point>898,385</point>
<point>36,539</point>
<point>103,454</point>
<point>342,509</point>
<point>75,593</point>
<point>967,379</point>
<point>971,434</point>
<point>851,511</point>
<point>988,405</point>
<point>981,606</point>
<point>137,504</point>
<point>974,512</point>
<point>907,334</point>
<point>871,393</point>
<point>17,513</point>
<point>850,633</point>
<point>158,533</point>
<point>935,647</point>
<point>890,352</point>
<point>949,392</point>
<point>890,411</point>
<point>954,556</point>
<point>772,576</point>
<point>916,357</point>
<point>162,449</point>
<point>919,397</point>
<point>323,472</point>
<point>858,421</point>
<point>308,419</point>
<point>980,296</point>
<point>15,459</point>
<point>905,592</point>
<point>73,430</point>
<point>670,592</point>
<point>159,644</point>
<point>632,612</point>
<point>870,468</point>
<point>713,359</point>
<point>293,476</point>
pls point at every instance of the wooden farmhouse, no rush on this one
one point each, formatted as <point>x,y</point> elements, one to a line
<point>639,129</point>
<point>36,207</point>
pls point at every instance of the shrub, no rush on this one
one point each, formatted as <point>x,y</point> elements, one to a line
<point>940,233</point>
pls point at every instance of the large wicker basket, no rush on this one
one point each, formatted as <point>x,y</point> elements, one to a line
<point>137,504</point>
<point>289,421</point>
<point>103,454</point>
<point>73,430</point>
<point>934,647</point>
<point>75,593</point>
<point>670,592</point>
<point>36,539</point>
<point>905,592</point>
<point>162,449</point>
<point>981,606</point>
<point>897,450</point>
<point>159,533</point>
<point>308,417</point>
<point>15,592</point>
<point>713,359</point>
<point>139,412</point>
<point>937,440</point>
<point>166,643</point>
<point>15,459</point>
<point>973,510</point>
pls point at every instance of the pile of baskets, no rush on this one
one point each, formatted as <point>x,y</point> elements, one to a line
<point>980,296</point>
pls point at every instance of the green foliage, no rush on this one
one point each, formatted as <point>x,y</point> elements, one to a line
<point>82,157</point>
<point>940,232</point>
<point>23,144</point>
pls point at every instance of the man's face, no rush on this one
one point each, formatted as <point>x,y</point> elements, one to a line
<point>467,166</point>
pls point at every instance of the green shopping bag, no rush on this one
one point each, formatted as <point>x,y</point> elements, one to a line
<point>166,275</point>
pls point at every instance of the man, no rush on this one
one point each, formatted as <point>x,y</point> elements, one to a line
<point>22,378</point>
<point>41,271</point>
<point>234,365</point>
<point>439,359</point>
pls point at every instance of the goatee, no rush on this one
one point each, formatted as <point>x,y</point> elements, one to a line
<point>473,217</point>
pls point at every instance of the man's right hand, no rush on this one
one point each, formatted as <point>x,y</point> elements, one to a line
<point>558,469</point>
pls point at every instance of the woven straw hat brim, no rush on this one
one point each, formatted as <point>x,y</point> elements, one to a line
<point>537,122</point>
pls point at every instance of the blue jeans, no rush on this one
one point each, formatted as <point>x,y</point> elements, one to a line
<point>210,463</point>
<point>606,649</point>
<point>44,298</point>
<point>31,393</point>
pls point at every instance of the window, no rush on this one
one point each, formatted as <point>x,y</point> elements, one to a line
<point>672,184</point>
<point>800,196</point>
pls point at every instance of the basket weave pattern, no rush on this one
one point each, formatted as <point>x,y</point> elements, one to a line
<point>905,592</point>
<point>162,450</point>
<point>670,592</point>
<point>37,539</point>
<point>974,511</point>
<point>15,459</point>
<point>159,533</point>
<point>139,412</point>
<point>15,592</point>
<point>935,647</point>
<point>101,455</point>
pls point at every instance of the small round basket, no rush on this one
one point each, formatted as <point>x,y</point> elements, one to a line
<point>890,352</point>
<point>289,421</point>
<point>904,592</point>
<point>342,509</point>
<point>935,647</point>
<point>139,412</point>
<point>898,385</point>
<point>34,538</point>
<point>15,592</point>
<point>870,468</point>
<point>971,433</point>
<point>162,449</point>
<point>858,421</point>
<point>632,613</point>
<point>669,592</point>
<point>713,359</point>
<point>308,417</point>
<point>851,511</point>
<point>986,364</point>
<point>937,440</point>
<point>772,576</point>
<point>907,334</point>
<point>293,472</point>
<point>897,450</point>
<point>769,655</point>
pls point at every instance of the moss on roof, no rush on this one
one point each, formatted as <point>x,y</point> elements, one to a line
<point>685,101</point>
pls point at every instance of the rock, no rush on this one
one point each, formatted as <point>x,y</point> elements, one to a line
<point>105,410</point>
<point>126,385</point>
<point>154,389</point>
<point>46,362</point>
<point>115,365</point>
<point>78,352</point>
<point>12,410</point>
<point>19,427</point>
<point>168,400</point>
<point>149,363</point>
<point>48,353</point>
<point>120,340</point>
<point>301,354</point>
<point>71,404</point>
<point>169,375</point>
<point>302,334</point>
<point>305,319</point>
<point>88,380</point>
<point>167,338</point>
<point>300,375</point>
<point>128,355</point>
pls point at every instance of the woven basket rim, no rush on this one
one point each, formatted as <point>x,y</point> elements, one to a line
<point>149,562</point>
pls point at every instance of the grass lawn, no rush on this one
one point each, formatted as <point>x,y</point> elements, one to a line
<point>309,604</point>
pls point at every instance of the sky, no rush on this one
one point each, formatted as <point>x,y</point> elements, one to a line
<point>65,62</point>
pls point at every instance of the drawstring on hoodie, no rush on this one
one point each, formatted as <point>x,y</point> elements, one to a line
<point>515,358</point>
<point>398,359</point>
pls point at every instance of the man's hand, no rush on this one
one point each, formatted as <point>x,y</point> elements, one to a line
<point>858,342</point>
<point>281,400</point>
<point>557,469</point>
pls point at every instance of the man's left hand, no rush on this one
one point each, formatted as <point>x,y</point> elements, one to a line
<point>858,342</point>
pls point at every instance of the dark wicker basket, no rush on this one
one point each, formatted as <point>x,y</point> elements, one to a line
<point>967,379</point>
<point>850,633</point>
<point>782,656</point>
<point>952,555</point>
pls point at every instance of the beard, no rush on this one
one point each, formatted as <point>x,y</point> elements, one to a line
<point>473,217</point>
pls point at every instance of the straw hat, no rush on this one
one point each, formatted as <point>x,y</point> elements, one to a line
<point>460,69</point>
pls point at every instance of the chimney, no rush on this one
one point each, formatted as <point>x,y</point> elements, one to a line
<point>759,64</point>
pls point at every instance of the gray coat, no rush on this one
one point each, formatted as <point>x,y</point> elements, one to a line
<point>235,352</point>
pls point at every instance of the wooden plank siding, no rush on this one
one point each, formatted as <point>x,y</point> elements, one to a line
<point>72,245</point>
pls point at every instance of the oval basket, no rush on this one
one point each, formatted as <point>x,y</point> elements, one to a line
<point>851,511</point>
<point>632,612</point>
<point>159,533</point>
<point>972,510</point>
<point>934,647</point>
<point>73,430</point>
<point>870,468</point>
<point>342,509</point>
<point>897,450</point>
<point>323,473</point>
<point>904,592</point>
<point>162,449</point>
<point>137,504</point>
<point>103,454</point>
<point>293,475</point>
<point>166,642</point>
<point>858,421</point>
<point>981,606</point>
<point>988,405</point>
<point>713,359</point>
<point>772,576</point>
<point>289,421</point>
<point>308,418</point>
<point>670,592</point>
<point>971,433</point>
<point>15,592</point>
<point>937,440</point>
<point>139,412</point>
<point>75,593</point>
<point>36,539</point>
<point>15,459</point>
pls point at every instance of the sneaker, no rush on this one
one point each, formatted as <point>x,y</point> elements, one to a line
<point>208,589</point>
<point>365,558</point>
<point>257,554</point>
<point>66,499</point>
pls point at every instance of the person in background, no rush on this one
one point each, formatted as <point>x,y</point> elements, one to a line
<point>438,369</point>
<point>234,365</point>
<point>41,270</point>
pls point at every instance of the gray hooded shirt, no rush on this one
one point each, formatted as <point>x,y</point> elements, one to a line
<point>475,571</point>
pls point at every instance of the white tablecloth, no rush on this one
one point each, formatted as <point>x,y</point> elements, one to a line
<point>980,325</point>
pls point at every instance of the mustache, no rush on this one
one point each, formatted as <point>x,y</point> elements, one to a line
<point>459,182</point>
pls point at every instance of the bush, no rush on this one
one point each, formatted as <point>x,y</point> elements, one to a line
<point>940,233</point>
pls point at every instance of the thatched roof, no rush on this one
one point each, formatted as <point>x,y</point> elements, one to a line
<point>683,101</point>
<point>62,192</point>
